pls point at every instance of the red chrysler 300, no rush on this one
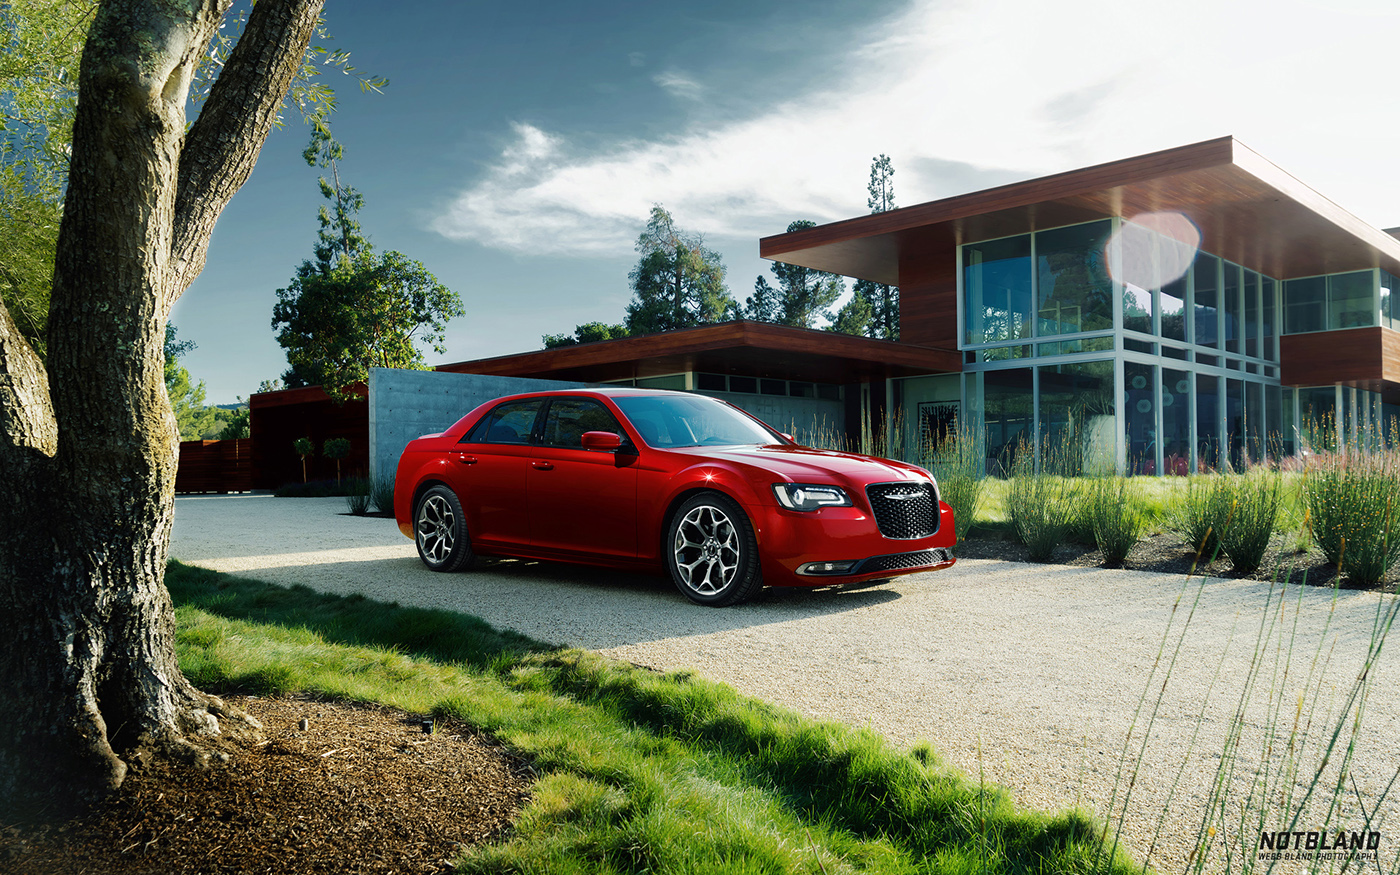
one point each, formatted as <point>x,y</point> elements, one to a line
<point>648,479</point>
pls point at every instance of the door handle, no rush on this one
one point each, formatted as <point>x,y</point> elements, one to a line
<point>542,466</point>
<point>465,459</point>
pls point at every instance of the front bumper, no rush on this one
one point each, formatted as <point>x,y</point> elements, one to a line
<point>843,545</point>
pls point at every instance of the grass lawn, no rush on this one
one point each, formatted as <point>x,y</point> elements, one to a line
<point>640,772</point>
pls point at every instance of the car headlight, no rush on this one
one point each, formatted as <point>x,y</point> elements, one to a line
<point>810,496</point>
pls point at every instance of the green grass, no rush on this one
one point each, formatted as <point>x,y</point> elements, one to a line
<point>641,772</point>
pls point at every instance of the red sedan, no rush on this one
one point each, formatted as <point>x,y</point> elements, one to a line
<point>648,479</point>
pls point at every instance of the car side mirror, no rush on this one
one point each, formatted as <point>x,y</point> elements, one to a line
<point>605,441</point>
<point>787,437</point>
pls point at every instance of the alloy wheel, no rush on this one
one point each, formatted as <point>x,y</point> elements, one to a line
<point>706,550</point>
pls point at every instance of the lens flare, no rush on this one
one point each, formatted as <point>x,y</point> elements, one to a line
<point>1150,250</point>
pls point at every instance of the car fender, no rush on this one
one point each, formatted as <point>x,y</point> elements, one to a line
<point>702,477</point>
<point>415,474</point>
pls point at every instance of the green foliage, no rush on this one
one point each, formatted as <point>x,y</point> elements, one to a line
<point>764,304</point>
<point>588,332</point>
<point>678,282</point>
<point>854,317</point>
<point>381,493</point>
<point>1353,503</point>
<point>1039,504</point>
<point>303,447</point>
<point>186,397</point>
<point>881,300</point>
<point>956,462</point>
<point>236,424</point>
<point>1202,514</point>
<point>353,309</point>
<point>336,448</point>
<point>640,771</point>
<point>802,295</point>
<point>1116,516</point>
<point>1254,500</point>
<point>357,496</point>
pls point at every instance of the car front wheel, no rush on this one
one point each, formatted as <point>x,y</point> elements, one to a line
<point>711,551</point>
<point>440,531</point>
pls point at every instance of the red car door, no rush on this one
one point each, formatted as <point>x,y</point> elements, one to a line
<point>581,501</point>
<point>489,468</point>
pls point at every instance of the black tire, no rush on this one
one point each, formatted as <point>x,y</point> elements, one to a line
<point>711,551</point>
<point>440,531</point>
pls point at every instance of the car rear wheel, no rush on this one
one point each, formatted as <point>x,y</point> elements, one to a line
<point>711,551</point>
<point>440,531</point>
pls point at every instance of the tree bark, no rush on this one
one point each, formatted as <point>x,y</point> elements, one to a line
<point>89,683</point>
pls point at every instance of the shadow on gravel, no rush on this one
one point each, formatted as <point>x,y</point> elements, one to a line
<point>572,605</point>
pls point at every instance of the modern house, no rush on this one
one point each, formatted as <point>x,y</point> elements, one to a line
<point>1167,313</point>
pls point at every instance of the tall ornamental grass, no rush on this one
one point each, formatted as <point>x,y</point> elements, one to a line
<point>956,461</point>
<point>1201,514</point>
<point>1353,505</point>
<point>1253,505</point>
<point>1116,516</point>
<point>1039,501</point>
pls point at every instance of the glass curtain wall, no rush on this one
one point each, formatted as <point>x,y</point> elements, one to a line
<point>1190,381</point>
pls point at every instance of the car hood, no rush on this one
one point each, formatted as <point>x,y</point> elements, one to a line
<point>805,464</point>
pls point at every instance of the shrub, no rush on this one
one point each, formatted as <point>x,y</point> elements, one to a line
<point>358,497</point>
<point>1354,509</point>
<point>1038,503</point>
<point>956,461</point>
<point>336,448</point>
<point>1253,504</point>
<point>381,494</point>
<point>1113,506</point>
<point>1202,513</point>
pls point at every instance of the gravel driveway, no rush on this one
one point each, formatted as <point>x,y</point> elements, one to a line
<point>1030,675</point>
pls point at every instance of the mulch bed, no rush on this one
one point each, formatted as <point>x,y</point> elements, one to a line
<point>1168,554</point>
<point>361,790</point>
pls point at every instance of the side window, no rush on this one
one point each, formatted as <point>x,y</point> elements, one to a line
<point>569,418</point>
<point>510,423</point>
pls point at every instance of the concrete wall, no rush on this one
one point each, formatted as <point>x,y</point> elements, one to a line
<point>406,404</point>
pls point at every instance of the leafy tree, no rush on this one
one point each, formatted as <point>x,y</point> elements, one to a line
<point>854,317</point>
<point>764,304</point>
<point>589,332</point>
<point>881,300</point>
<point>803,294</point>
<point>677,283</point>
<point>336,448</point>
<point>235,425</point>
<point>352,309</point>
<point>40,42</point>
<point>186,398</point>
<point>88,676</point>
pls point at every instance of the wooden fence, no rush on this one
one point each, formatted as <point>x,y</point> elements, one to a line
<point>215,466</point>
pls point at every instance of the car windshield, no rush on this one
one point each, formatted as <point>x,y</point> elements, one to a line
<point>667,421</point>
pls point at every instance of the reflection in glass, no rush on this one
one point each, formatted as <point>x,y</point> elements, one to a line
<point>1173,303</point>
<point>1349,301</point>
<point>1305,305</point>
<point>1176,422</point>
<point>1207,422</point>
<point>1234,422</point>
<point>997,284</point>
<point>1140,416</point>
<point>1233,307</point>
<point>1074,292</point>
<point>1077,417</point>
<point>1007,402</point>
<point>1251,314</point>
<point>1207,300</point>
<point>1270,294</point>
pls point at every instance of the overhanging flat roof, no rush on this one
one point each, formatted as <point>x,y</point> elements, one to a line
<point>741,347</point>
<point>1248,211</point>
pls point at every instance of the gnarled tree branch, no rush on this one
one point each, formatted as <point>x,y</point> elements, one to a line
<point>240,112</point>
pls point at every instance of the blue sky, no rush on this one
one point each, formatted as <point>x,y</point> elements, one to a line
<point>519,147</point>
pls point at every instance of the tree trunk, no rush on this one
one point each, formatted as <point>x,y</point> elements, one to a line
<point>89,683</point>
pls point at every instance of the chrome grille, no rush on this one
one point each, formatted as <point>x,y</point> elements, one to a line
<point>905,510</point>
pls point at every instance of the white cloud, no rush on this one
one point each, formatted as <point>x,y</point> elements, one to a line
<point>967,93</point>
<point>679,84</point>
